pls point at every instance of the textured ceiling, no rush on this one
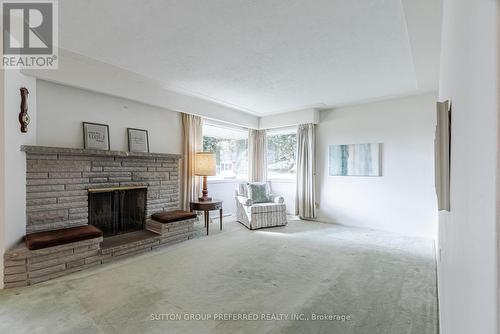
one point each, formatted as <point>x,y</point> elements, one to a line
<point>264,56</point>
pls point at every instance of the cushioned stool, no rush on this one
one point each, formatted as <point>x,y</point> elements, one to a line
<point>65,236</point>
<point>172,223</point>
<point>166,217</point>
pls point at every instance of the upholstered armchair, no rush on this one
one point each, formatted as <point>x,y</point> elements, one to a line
<point>259,215</point>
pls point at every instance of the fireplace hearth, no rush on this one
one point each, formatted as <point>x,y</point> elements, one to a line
<point>117,210</point>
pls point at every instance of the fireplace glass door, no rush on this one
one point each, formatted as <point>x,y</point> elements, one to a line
<point>118,211</point>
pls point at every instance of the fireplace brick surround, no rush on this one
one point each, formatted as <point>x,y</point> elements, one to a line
<point>57,191</point>
<point>58,179</point>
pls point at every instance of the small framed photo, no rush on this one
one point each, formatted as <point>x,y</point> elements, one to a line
<point>96,136</point>
<point>138,140</point>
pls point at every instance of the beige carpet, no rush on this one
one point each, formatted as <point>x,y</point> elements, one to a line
<point>364,281</point>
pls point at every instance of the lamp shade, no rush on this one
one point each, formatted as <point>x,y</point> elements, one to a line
<point>205,164</point>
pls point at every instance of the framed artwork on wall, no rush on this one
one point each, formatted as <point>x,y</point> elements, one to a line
<point>96,136</point>
<point>355,160</point>
<point>138,140</point>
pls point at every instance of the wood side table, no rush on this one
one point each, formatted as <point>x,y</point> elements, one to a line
<point>206,207</point>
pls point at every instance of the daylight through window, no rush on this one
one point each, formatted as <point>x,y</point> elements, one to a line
<point>231,150</point>
<point>281,153</point>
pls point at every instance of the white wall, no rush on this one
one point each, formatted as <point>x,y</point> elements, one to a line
<point>2,172</point>
<point>467,271</point>
<point>15,160</point>
<point>291,118</point>
<point>224,190</point>
<point>403,200</point>
<point>86,73</point>
<point>285,188</point>
<point>62,109</point>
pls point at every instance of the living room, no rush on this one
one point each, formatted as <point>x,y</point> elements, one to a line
<point>251,166</point>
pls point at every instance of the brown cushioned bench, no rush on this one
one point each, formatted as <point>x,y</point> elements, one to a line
<point>65,236</point>
<point>166,217</point>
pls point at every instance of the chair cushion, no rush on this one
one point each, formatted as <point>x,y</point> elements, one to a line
<point>64,236</point>
<point>166,217</point>
<point>257,192</point>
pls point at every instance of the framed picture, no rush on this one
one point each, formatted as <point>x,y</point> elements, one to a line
<point>355,160</point>
<point>96,136</point>
<point>137,140</point>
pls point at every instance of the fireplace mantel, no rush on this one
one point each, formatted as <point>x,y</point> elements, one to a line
<point>35,149</point>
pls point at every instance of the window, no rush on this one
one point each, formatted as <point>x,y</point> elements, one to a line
<point>281,153</point>
<point>231,150</point>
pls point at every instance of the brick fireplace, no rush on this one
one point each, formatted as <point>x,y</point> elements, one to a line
<point>116,191</point>
<point>58,181</point>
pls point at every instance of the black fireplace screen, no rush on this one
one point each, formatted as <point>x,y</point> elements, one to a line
<point>118,211</point>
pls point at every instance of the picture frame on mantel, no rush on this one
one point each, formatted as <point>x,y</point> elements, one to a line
<point>96,136</point>
<point>138,140</point>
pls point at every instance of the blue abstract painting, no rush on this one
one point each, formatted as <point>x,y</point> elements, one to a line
<point>355,160</point>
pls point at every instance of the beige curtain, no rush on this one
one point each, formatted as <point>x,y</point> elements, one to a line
<point>192,143</point>
<point>305,198</point>
<point>257,160</point>
<point>442,145</point>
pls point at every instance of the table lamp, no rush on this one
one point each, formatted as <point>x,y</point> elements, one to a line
<point>205,166</point>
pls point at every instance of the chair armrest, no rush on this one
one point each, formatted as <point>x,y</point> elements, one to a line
<point>276,199</point>
<point>244,200</point>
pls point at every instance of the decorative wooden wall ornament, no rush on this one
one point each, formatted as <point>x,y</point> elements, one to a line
<point>24,118</point>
